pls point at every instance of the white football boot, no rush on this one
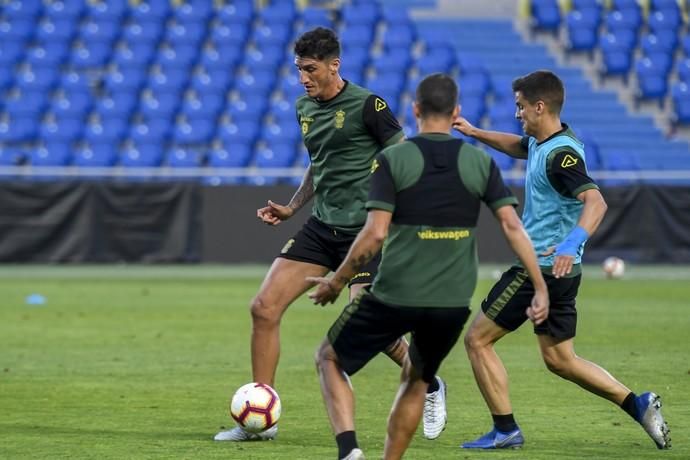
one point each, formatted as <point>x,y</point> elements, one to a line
<point>435,416</point>
<point>237,434</point>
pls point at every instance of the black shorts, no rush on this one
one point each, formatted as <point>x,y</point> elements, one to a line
<point>318,243</point>
<point>508,300</point>
<point>368,326</point>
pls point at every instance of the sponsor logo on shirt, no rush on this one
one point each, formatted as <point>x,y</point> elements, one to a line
<point>568,161</point>
<point>379,104</point>
<point>443,235</point>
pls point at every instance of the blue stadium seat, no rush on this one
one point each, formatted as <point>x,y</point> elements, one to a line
<point>229,34</point>
<point>127,79</point>
<point>71,104</point>
<point>96,156</point>
<point>271,34</point>
<point>181,157</point>
<point>168,81</point>
<point>237,12</point>
<point>291,88</point>
<point>473,107</point>
<point>546,15</point>
<point>260,82</point>
<point>628,19</point>
<point>680,95</point>
<point>26,104</point>
<point>582,30</point>
<point>652,82</point>
<point>47,55</point>
<point>211,81</point>
<point>16,31</point>
<point>158,105</point>
<point>151,11</point>
<point>357,35</point>
<point>435,61</point>
<point>40,80</point>
<point>75,81</point>
<point>587,4</point>
<point>286,131</point>
<point>663,42</point>
<point>137,55</point>
<point>103,31</point>
<point>6,78</point>
<point>249,107</point>
<point>56,31</point>
<point>617,57</point>
<point>395,16</point>
<point>503,161</point>
<point>10,52</point>
<point>278,13</point>
<point>668,19</point>
<point>313,17</point>
<point>193,131</point>
<point>367,14</point>
<point>117,105</point>
<point>105,132</point>
<point>152,131</point>
<point>474,84</point>
<point>110,10</point>
<point>399,37</point>
<point>11,156</point>
<point>202,106</point>
<point>90,55</point>
<point>235,155</point>
<point>266,58</point>
<point>141,155</point>
<point>51,154</point>
<point>22,9</point>
<point>142,33</point>
<point>193,12</point>
<point>283,110</point>
<point>180,57</point>
<point>16,129</point>
<point>683,70</point>
<point>395,60</point>
<point>186,34</point>
<point>238,132</point>
<point>69,10</point>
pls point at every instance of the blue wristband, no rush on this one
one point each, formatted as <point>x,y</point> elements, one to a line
<point>572,242</point>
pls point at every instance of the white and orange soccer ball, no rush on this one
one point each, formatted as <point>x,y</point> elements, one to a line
<point>255,407</point>
<point>614,267</point>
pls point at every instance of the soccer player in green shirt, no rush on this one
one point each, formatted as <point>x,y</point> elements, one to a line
<point>343,127</point>
<point>423,205</point>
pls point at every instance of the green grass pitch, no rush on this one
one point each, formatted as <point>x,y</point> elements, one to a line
<point>140,362</point>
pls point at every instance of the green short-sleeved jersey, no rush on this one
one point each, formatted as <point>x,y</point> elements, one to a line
<point>343,136</point>
<point>434,185</point>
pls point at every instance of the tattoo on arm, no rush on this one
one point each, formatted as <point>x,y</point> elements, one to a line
<point>304,193</point>
<point>361,260</point>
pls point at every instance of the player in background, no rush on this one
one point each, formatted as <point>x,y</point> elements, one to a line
<point>424,203</point>
<point>563,207</point>
<point>343,127</point>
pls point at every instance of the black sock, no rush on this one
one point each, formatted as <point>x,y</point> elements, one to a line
<point>504,423</point>
<point>347,440</point>
<point>433,386</point>
<point>628,405</point>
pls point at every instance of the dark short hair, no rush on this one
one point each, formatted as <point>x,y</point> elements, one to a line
<point>542,85</point>
<point>437,94</point>
<point>320,43</point>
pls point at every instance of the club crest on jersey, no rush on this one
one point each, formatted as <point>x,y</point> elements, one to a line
<point>374,166</point>
<point>568,161</point>
<point>339,119</point>
<point>379,104</point>
<point>304,122</point>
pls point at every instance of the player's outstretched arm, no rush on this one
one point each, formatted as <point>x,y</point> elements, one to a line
<point>522,246</point>
<point>507,143</point>
<point>274,213</point>
<point>367,244</point>
<point>592,214</point>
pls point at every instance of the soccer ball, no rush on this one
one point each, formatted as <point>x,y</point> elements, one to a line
<point>255,407</point>
<point>614,267</point>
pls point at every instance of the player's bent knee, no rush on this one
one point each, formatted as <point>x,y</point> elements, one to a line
<point>324,354</point>
<point>555,365</point>
<point>263,312</point>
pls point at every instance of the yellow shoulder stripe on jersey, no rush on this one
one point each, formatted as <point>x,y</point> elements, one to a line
<point>568,161</point>
<point>374,166</point>
<point>379,104</point>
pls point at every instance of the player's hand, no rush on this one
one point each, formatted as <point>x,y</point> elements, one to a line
<point>538,311</point>
<point>464,126</point>
<point>327,291</point>
<point>562,264</point>
<point>274,213</point>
